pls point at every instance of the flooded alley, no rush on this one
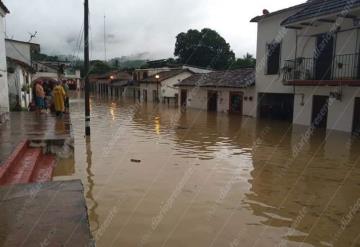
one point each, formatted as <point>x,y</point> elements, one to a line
<point>155,176</point>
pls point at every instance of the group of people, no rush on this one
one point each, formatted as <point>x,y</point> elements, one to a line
<point>53,96</point>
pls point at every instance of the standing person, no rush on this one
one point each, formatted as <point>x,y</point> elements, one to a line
<point>59,99</point>
<point>66,89</point>
<point>39,97</point>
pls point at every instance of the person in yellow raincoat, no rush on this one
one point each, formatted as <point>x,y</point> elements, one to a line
<point>59,99</point>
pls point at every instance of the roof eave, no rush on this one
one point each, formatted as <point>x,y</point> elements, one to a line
<point>4,8</point>
<point>287,22</point>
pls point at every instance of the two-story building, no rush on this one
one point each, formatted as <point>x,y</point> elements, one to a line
<point>308,64</point>
<point>4,92</point>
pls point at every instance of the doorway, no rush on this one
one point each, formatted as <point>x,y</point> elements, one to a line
<point>356,120</point>
<point>236,102</point>
<point>320,111</point>
<point>183,98</point>
<point>276,106</point>
<point>145,95</point>
<point>212,101</point>
<point>324,56</point>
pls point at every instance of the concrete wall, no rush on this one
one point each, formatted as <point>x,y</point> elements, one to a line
<point>4,91</point>
<point>16,82</point>
<point>19,51</point>
<point>340,115</point>
<point>340,112</point>
<point>198,99</point>
<point>167,86</point>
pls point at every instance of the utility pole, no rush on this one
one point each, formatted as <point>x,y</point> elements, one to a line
<point>87,67</point>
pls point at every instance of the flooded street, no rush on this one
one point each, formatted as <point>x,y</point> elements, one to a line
<point>154,176</point>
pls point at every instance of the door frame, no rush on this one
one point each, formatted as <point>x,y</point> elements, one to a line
<point>317,60</point>
<point>313,117</point>
<point>183,100</point>
<point>216,94</point>
<point>354,122</point>
<point>238,93</point>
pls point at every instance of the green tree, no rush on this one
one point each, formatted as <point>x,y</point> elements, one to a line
<point>205,48</point>
<point>99,67</point>
<point>247,61</point>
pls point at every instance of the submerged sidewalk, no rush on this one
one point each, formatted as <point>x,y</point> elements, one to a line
<point>33,127</point>
<point>49,214</point>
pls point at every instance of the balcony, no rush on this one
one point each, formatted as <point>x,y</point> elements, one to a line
<point>339,70</point>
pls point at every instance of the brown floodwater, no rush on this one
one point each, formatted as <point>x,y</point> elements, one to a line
<point>154,176</point>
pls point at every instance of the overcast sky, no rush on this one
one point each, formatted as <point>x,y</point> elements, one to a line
<point>135,27</point>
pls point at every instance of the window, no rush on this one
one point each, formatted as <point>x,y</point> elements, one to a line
<point>273,58</point>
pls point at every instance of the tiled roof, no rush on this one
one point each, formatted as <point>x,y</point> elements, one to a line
<point>260,17</point>
<point>318,8</point>
<point>239,78</point>
<point>3,7</point>
<point>165,75</point>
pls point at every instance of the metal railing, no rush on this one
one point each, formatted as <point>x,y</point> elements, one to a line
<point>340,67</point>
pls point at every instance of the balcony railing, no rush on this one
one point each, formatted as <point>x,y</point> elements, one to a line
<point>338,68</point>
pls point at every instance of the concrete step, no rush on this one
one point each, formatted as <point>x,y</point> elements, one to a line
<point>44,169</point>
<point>21,170</point>
<point>14,157</point>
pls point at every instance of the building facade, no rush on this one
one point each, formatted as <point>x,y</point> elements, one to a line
<point>19,66</point>
<point>222,91</point>
<point>160,87</point>
<point>308,65</point>
<point>4,92</point>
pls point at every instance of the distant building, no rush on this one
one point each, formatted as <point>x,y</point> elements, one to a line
<point>111,84</point>
<point>54,70</point>
<point>230,91</point>
<point>308,65</point>
<point>4,95</point>
<point>19,64</point>
<point>160,87</point>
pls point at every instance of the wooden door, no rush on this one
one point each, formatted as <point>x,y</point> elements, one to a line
<point>212,101</point>
<point>236,102</point>
<point>183,98</point>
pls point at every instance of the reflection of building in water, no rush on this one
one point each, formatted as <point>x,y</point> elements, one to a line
<point>298,184</point>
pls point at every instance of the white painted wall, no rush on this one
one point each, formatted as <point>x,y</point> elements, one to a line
<point>167,86</point>
<point>340,115</point>
<point>16,82</point>
<point>4,91</point>
<point>197,98</point>
<point>19,51</point>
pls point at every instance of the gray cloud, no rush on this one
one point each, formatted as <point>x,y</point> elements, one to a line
<point>134,26</point>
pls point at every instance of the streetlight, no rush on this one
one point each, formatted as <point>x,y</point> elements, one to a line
<point>157,88</point>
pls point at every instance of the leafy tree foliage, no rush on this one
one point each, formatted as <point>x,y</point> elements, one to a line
<point>99,67</point>
<point>247,61</point>
<point>205,48</point>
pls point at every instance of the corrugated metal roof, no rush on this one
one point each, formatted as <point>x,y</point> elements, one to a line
<point>318,8</point>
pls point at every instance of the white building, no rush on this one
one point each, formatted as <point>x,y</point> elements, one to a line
<point>4,92</point>
<point>19,63</point>
<point>308,64</point>
<point>161,86</point>
<point>230,91</point>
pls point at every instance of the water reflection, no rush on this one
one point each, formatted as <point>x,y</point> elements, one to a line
<point>90,187</point>
<point>287,187</point>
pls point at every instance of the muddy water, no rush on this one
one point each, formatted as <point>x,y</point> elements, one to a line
<point>202,179</point>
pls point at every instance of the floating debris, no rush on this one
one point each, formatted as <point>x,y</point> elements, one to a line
<point>135,161</point>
